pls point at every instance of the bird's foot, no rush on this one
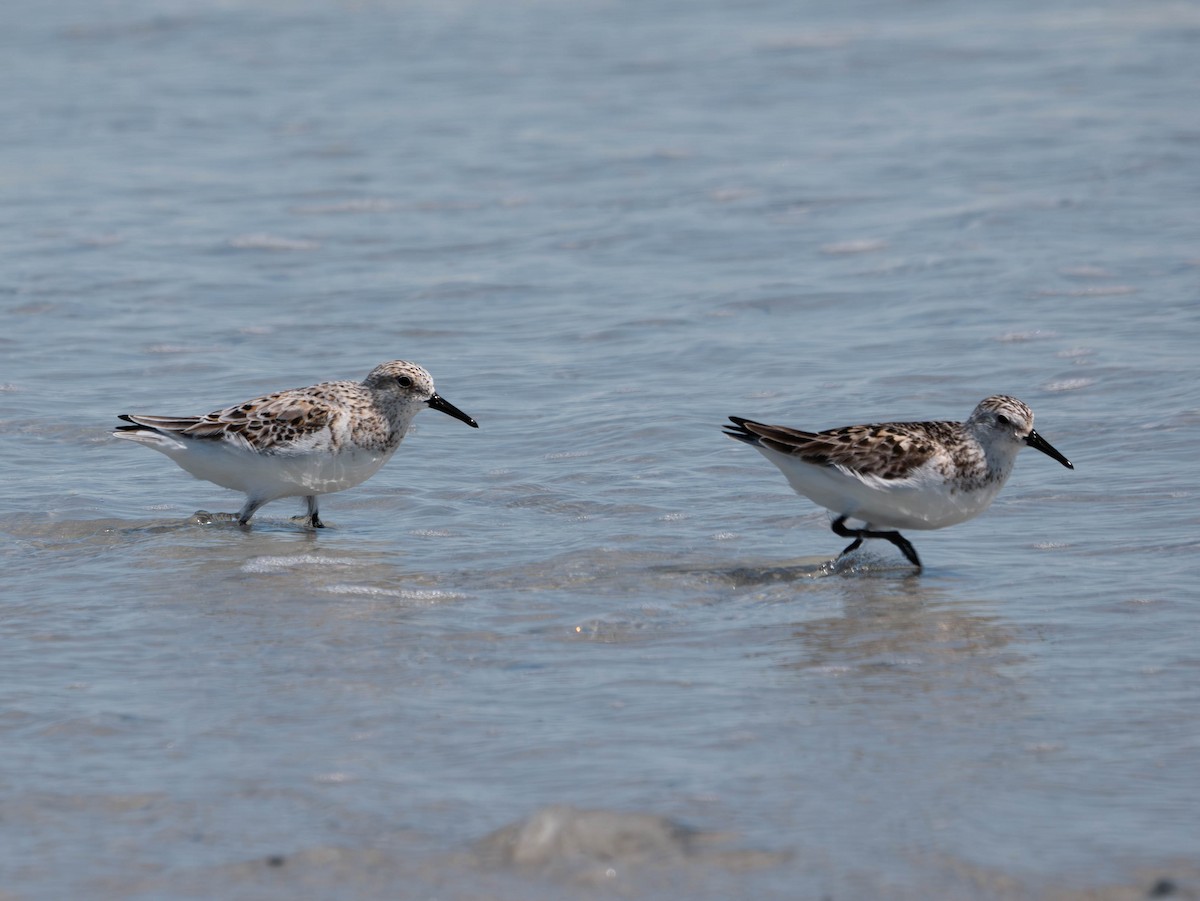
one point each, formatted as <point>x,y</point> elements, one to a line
<point>309,522</point>
<point>839,528</point>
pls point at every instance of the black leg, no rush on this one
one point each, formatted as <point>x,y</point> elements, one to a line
<point>251,505</point>
<point>839,528</point>
<point>314,521</point>
<point>905,548</point>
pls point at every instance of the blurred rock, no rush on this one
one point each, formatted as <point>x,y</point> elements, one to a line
<point>562,833</point>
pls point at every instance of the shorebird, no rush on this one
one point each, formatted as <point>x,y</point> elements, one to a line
<point>902,475</point>
<point>303,442</point>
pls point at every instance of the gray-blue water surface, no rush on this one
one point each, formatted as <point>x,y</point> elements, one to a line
<point>603,226</point>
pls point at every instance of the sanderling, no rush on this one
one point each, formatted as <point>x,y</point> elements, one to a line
<point>903,475</point>
<point>298,443</point>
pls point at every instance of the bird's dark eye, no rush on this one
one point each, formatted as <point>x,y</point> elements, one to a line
<point>1003,420</point>
<point>404,381</point>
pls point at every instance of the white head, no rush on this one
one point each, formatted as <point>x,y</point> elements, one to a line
<point>1005,423</point>
<point>406,388</point>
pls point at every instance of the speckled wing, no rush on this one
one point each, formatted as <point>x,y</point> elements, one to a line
<point>885,451</point>
<point>265,424</point>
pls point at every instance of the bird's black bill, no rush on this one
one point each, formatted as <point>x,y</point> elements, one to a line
<point>1034,440</point>
<point>437,402</point>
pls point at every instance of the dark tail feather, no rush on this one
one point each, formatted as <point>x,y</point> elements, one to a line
<point>136,427</point>
<point>739,431</point>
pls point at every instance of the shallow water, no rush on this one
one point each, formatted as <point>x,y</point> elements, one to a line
<point>603,227</point>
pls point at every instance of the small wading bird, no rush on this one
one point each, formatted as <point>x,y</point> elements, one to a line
<point>902,475</point>
<point>304,442</point>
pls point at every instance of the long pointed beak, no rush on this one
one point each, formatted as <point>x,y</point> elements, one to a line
<point>437,402</point>
<point>1034,440</point>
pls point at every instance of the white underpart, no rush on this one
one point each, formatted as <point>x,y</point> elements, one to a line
<point>924,500</point>
<point>300,471</point>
